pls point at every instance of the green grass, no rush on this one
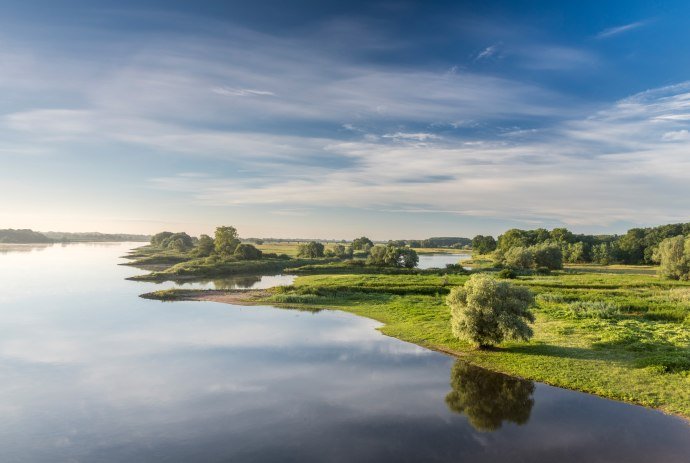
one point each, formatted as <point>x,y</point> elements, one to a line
<point>622,336</point>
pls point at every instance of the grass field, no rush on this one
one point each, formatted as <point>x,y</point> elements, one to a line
<point>622,336</point>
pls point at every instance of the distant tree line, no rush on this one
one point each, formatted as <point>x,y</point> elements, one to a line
<point>27,236</point>
<point>543,248</point>
<point>437,242</point>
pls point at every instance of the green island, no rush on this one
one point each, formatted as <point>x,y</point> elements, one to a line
<point>611,313</point>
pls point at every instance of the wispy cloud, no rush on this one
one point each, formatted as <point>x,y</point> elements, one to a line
<point>487,53</point>
<point>226,91</point>
<point>612,31</point>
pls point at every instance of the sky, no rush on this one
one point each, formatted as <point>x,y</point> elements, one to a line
<point>391,119</point>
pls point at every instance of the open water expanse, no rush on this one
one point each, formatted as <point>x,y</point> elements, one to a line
<point>90,372</point>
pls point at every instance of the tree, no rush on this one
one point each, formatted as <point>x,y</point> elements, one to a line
<point>483,244</point>
<point>362,244</point>
<point>547,255</point>
<point>226,241</point>
<point>486,311</point>
<point>487,398</point>
<point>158,238</point>
<point>406,257</point>
<point>674,258</point>
<point>341,251</point>
<point>513,238</point>
<point>205,246</point>
<point>392,256</point>
<point>177,241</point>
<point>561,235</point>
<point>519,257</point>
<point>247,252</point>
<point>311,250</point>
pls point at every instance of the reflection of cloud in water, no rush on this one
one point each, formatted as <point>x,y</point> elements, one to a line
<point>487,398</point>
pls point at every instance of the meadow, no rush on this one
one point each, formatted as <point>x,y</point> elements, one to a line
<point>619,335</point>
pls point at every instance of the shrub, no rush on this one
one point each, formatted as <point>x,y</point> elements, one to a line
<point>247,252</point>
<point>507,274</point>
<point>519,257</point>
<point>674,258</point>
<point>547,256</point>
<point>593,309</point>
<point>311,250</point>
<point>485,311</point>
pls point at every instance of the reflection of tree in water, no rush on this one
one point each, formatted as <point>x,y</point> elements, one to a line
<point>244,282</point>
<point>489,398</point>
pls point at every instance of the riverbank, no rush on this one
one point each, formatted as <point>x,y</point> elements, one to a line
<point>620,336</point>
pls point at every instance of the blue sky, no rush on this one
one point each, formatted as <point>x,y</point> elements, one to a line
<point>335,119</point>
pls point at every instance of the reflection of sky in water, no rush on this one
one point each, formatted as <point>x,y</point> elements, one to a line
<point>90,372</point>
<point>440,260</point>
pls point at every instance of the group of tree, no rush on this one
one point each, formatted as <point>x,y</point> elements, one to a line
<point>225,244</point>
<point>543,255</point>
<point>637,246</point>
<point>22,236</point>
<point>392,256</point>
<point>311,250</point>
<point>435,242</point>
<point>483,244</point>
<point>168,240</point>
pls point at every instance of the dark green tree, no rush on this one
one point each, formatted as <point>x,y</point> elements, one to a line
<point>247,252</point>
<point>311,250</point>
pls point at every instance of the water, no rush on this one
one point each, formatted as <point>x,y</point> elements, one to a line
<point>233,282</point>
<point>440,260</point>
<point>89,372</point>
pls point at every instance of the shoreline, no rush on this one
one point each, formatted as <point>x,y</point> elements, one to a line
<point>254,297</point>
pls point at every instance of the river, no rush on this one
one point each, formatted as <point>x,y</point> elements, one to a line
<point>90,372</point>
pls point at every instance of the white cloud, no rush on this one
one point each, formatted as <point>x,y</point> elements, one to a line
<point>676,135</point>
<point>612,31</point>
<point>488,52</point>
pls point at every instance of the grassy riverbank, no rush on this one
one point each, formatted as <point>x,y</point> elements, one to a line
<point>624,336</point>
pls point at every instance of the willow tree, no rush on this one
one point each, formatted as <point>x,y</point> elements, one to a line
<point>486,311</point>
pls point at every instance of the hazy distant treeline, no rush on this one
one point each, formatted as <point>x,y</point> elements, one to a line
<point>26,236</point>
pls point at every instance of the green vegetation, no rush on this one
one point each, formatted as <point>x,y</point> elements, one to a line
<point>392,256</point>
<point>619,335</point>
<point>674,256</point>
<point>485,311</point>
<point>483,244</point>
<point>311,250</point>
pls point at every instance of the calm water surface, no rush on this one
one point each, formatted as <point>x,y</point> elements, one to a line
<point>440,260</point>
<point>89,372</point>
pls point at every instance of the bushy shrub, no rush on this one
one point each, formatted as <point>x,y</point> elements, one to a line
<point>311,250</point>
<point>486,311</point>
<point>507,274</point>
<point>674,258</point>
<point>519,257</point>
<point>547,256</point>
<point>247,252</point>
<point>593,309</point>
